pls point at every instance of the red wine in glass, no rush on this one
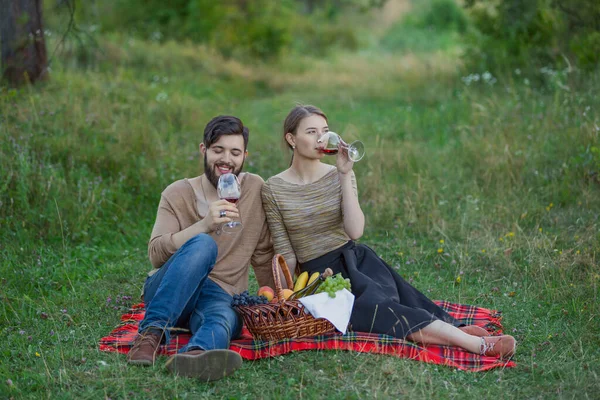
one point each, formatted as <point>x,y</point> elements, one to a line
<point>229,189</point>
<point>356,149</point>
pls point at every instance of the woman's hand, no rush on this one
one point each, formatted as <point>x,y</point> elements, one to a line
<point>214,217</point>
<point>343,162</point>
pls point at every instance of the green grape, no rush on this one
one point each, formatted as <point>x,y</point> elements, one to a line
<point>333,284</point>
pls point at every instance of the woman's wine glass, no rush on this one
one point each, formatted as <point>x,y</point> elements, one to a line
<point>229,189</point>
<point>356,149</point>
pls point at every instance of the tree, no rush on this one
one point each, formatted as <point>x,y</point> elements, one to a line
<point>534,33</point>
<point>22,46</point>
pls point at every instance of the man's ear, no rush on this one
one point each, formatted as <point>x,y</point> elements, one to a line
<point>202,148</point>
<point>290,139</point>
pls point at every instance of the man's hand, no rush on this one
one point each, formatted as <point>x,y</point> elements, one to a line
<point>214,218</point>
<point>208,224</point>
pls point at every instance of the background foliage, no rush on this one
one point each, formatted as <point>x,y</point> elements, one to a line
<point>258,28</point>
<point>537,33</point>
<point>478,187</point>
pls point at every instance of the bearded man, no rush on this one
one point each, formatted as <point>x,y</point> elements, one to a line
<point>197,268</point>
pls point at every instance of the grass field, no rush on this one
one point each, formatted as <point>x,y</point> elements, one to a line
<point>493,180</point>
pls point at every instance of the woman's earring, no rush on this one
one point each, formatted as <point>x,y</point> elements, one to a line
<point>293,147</point>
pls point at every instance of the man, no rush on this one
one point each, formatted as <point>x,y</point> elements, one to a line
<point>198,268</point>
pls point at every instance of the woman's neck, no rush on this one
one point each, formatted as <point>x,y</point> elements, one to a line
<point>307,171</point>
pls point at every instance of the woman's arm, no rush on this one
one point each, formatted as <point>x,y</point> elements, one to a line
<point>281,240</point>
<point>354,219</point>
<point>262,258</point>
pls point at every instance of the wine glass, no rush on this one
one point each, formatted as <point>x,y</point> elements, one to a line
<point>356,149</point>
<point>229,189</point>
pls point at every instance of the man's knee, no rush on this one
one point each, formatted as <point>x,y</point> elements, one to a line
<point>205,247</point>
<point>223,313</point>
<point>228,319</point>
<point>222,319</point>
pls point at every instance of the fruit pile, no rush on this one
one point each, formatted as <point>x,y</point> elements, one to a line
<point>244,299</point>
<point>334,283</point>
<point>305,286</point>
<point>318,282</point>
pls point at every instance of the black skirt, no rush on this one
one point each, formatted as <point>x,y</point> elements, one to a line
<point>384,302</point>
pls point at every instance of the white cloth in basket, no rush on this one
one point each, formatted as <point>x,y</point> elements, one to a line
<point>336,310</point>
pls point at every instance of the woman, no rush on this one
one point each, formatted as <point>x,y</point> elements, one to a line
<point>314,216</point>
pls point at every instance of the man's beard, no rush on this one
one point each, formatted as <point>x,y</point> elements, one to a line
<point>211,174</point>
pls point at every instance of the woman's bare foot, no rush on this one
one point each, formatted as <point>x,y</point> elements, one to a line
<point>474,330</point>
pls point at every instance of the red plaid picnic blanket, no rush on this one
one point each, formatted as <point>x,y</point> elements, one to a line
<point>121,339</point>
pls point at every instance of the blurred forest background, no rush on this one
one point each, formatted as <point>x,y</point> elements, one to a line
<point>481,182</point>
<point>497,34</point>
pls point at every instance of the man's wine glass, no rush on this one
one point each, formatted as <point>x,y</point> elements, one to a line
<point>229,189</point>
<point>356,149</point>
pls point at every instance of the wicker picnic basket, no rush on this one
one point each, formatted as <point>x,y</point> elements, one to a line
<point>284,319</point>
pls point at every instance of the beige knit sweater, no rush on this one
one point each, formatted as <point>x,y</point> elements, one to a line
<point>177,211</point>
<point>306,221</point>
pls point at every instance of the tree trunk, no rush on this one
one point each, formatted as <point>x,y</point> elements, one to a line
<point>308,6</point>
<point>22,45</point>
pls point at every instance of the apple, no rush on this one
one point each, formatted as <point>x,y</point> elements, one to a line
<point>267,292</point>
<point>286,293</point>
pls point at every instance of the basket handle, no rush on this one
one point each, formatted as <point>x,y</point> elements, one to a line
<point>280,266</point>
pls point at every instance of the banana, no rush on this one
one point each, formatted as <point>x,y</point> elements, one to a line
<point>314,276</point>
<point>301,281</point>
<point>312,288</point>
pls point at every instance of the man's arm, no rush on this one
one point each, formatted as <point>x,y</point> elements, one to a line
<point>208,224</point>
<point>167,236</point>
<point>161,246</point>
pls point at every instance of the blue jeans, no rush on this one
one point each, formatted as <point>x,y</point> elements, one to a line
<point>180,294</point>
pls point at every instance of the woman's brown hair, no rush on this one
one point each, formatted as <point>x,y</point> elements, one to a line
<point>297,114</point>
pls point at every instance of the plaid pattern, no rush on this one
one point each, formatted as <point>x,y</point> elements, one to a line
<point>121,339</point>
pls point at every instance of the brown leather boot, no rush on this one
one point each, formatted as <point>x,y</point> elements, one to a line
<point>209,365</point>
<point>145,347</point>
<point>474,330</point>
<point>498,346</point>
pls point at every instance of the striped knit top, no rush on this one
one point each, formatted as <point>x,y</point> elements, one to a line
<point>305,220</point>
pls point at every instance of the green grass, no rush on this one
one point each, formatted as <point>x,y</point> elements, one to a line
<point>506,175</point>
